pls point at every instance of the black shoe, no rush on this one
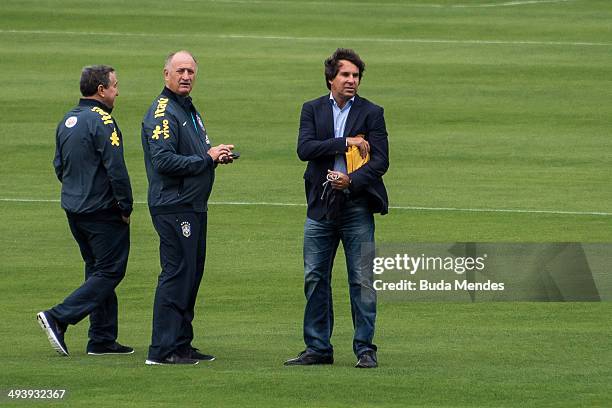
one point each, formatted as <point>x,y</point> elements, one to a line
<point>172,359</point>
<point>54,331</point>
<point>308,357</point>
<point>367,359</point>
<point>115,348</point>
<point>195,354</point>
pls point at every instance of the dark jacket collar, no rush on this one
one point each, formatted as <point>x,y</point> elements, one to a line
<point>184,101</point>
<point>94,102</point>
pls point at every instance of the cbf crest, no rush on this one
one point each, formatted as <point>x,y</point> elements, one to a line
<point>186,228</point>
<point>199,119</point>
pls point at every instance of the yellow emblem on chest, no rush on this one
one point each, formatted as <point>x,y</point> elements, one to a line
<point>114,138</point>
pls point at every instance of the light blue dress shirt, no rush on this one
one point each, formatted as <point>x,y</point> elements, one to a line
<point>340,116</point>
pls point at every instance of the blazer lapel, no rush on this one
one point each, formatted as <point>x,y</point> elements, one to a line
<point>327,117</point>
<point>352,116</point>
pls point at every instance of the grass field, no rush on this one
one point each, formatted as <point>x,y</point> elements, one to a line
<point>490,104</point>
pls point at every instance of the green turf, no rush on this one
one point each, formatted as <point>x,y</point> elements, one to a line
<point>518,124</point>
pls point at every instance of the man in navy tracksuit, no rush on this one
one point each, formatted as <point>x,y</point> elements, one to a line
<point>97,198</point>
<point>180,165</point>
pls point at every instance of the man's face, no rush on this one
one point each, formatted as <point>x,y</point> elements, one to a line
<point>109,94</point>
<point>344,85</point>
<point>180,74</point>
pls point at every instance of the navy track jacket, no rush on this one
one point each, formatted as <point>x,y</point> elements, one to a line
<point>175,144</point>
<point>89,161</point>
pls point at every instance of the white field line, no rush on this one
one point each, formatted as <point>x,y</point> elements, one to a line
<point>410,208</point>
<point>414,5</point>
<point>313,39</point>
<point>508,3</point>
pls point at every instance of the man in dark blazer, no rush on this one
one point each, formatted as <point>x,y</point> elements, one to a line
<point>341,206</point>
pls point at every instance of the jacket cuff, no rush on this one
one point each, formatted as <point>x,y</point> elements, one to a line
<point>339,145</point>
<point>210,162</point>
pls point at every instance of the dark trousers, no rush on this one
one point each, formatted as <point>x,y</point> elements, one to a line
<point>182,252</point>
<point>105,246</point>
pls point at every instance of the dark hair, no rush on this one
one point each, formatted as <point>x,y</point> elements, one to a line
<point>94,76</point>
<point>332,64</point>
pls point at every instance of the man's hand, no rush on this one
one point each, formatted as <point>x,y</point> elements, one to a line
<point>220,153</point>
<point>338,180</point>
<point>225,159</point>
<point>125,219</point>
<point>361,143</point>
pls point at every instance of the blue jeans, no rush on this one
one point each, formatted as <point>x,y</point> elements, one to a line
<point>354,227</point>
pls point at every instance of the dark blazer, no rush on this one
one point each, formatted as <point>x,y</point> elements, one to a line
<point>317,146</point>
